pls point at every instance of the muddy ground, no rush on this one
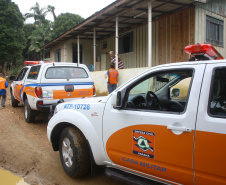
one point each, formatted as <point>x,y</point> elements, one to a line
<point>26,151</point>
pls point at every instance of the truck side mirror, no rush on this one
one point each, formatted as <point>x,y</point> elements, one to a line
<point>12,77</point>
<point>174,93</point>
<point>116,99</point>
<point>119,99</point>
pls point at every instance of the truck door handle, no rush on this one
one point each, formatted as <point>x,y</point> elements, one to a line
<point>183,129</point>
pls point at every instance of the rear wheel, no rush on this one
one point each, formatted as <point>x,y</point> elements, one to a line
<point>14,101</point>
<point>29,114</point>
<point>74,152</point>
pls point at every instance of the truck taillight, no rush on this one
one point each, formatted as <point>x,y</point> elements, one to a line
<point>38,92</point>
<point>94,91</point>
<point>206,50</point>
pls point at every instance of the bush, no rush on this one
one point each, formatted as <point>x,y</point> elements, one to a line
<point>16,70</point>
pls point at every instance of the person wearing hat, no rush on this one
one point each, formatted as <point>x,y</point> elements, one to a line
<point>3,86</point>
<point>113,60</point>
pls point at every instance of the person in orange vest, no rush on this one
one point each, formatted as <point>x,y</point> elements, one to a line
<point>3,86</point>
<point>112,75</point>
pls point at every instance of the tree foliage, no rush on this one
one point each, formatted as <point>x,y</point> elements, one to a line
<point>52,10</point>
<point>42,32</point>
<point>27,54</point>
<point>64,22</point>
<point>12,39</point>
<point>38,14</point>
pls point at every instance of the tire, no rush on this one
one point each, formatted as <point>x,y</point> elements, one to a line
<point>29,114</point>
<point>74,152</point>
<point>14,101</point>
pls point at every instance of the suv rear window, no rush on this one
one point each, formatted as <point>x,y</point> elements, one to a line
<point>65,73</point>
<point>34,71</point>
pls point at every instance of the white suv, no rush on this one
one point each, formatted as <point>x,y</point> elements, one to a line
<point>40,87</point>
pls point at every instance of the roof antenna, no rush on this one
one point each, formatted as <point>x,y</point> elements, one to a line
<point>53,64</point>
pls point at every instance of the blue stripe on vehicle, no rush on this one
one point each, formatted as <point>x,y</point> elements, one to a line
<point>59,84</point>
<point>20,92</point>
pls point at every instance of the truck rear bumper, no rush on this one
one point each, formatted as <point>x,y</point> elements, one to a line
<point>45,108</point>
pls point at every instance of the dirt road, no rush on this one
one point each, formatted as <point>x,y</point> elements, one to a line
<point>26,151</point>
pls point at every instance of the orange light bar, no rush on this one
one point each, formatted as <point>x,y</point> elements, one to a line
<point>31,62</point>
<point>36,62</point>
<point>201,49</point>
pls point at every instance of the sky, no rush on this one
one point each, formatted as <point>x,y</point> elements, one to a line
<point>84,8</point>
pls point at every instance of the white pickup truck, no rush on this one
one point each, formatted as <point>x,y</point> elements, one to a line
<point>168,124</point>
<point>42,85</point>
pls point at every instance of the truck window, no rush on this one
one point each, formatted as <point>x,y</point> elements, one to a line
<point>217,103</point>
<point>21,74</point>
<point>34,71</point>
<point>65,73</point>
<point>155,92</point>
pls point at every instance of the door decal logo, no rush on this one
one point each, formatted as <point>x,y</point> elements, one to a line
<point>143,143</point>
<point>47,94</point>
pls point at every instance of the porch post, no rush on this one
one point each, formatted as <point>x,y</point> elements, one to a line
<point>149,34</point>
<point>78,48</point>
<point>94,48</point>
<point>116,43</point>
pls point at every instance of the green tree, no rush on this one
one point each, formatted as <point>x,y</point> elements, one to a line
<point>52,10</point>
<point>64,22</point>
<point>12,39</point>
<point>28,54</point>
<point>39,37</point>
<point>38,14</point>
<point>42,32</point>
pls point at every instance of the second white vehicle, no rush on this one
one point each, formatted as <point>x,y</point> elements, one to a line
<point>42,85</point>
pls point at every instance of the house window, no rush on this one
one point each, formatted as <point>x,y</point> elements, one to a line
<point>104,45</point>
<point>75,53</point>
<point>214,31</point>
<point>57,55</point>
<point>126,42</point>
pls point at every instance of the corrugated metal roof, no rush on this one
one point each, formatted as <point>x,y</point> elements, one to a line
<point>131,13</point>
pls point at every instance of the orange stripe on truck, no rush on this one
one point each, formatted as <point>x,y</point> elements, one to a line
<point>61,94</point>
<point>30,91</point>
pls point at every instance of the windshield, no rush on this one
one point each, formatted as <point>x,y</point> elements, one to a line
<point>154,83</point>
<point>65,73</point>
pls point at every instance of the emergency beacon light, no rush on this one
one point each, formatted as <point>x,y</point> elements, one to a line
<point>203,50</point>
<point>36,62</point>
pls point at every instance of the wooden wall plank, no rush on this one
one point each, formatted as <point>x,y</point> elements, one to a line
<point>173,38</point>
<point>192,26</point>
<point>160,40</point>
<point>168,39</point>
<point>153,43</point>
<point>164,41</point>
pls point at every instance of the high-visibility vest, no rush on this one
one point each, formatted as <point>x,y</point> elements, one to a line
<point>112,76</point>
<point>2,83</point>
